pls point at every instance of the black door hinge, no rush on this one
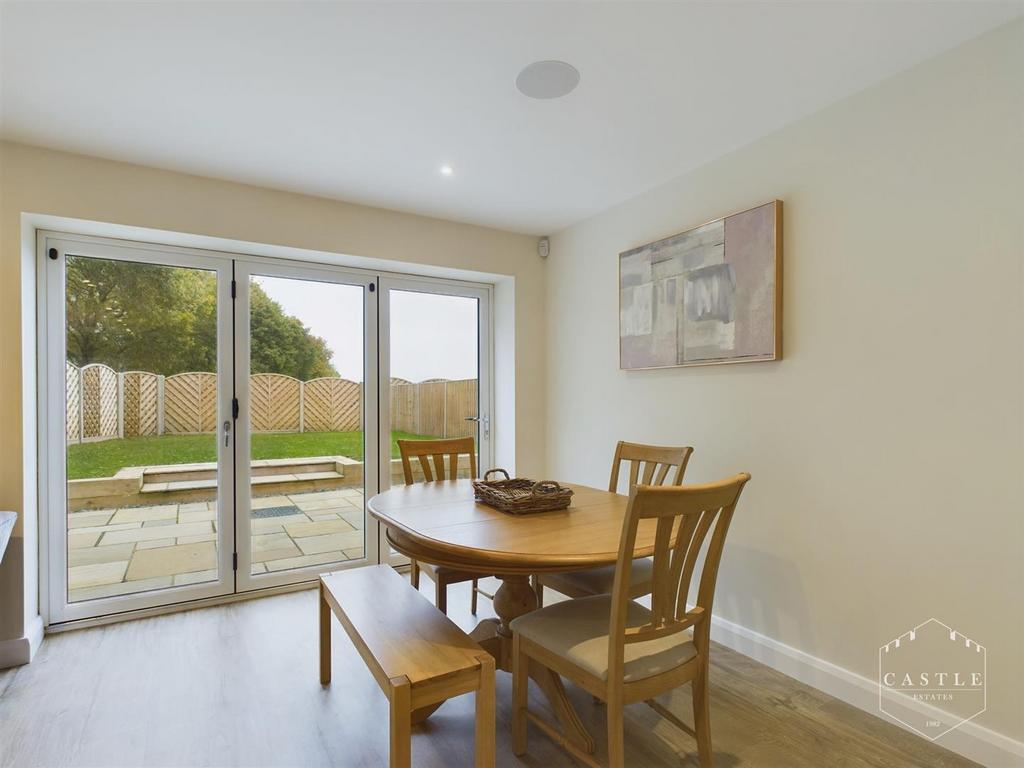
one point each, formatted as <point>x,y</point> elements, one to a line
<point>234,289</point>
<point>372,287</point>
<point>234,561</point>
<point>234,408</point>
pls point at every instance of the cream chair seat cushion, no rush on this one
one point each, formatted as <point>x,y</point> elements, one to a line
<point>577,630</point>
<point>599,581</point>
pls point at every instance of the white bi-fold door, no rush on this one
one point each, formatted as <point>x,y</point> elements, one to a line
<point>213,423</point>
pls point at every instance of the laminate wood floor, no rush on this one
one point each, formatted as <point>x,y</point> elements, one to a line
<point>237,685</point>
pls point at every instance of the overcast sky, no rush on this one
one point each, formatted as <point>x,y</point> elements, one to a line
<point>432,336</point>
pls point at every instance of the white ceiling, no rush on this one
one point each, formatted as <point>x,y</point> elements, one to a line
<point>364,102</point>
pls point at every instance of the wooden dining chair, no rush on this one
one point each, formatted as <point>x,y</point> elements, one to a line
<point>436,451</point>
<point>648,465</point>
<point>616,649</point>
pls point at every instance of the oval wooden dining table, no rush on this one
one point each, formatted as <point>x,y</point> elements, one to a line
<point>442,524</point>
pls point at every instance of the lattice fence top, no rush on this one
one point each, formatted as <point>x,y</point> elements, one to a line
<point>99,401</point>
<point>73,400</point>
<point>103,404</point>
<point>141,403</point>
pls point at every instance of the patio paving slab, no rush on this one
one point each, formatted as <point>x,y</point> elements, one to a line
<point>80,540</point>
<point>316,495</point>
<point>197,539</point>
<point>90,519</point>
<point>197,515</point>
<point>155,543</point>
<point>304,561</point>
<point>142,514</point>
<point>354,518</point>
<point>302,530</point>
<point>124,588</point>
<point>168,561</point>
<point>161,532</point>
<point>106,528</point>
<point>275,524</point>
<point>96,575</point>
<point>94,555</point>
<point>273,546</point>
<point>314,545</point>
<point>311,506</point>
<point>195,577</point>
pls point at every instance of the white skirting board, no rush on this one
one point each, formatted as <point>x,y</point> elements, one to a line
<point>971,740</point>
<point>20,650</point>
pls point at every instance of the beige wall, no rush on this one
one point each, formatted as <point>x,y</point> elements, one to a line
<point>45,182</point>
<point>887,447</point>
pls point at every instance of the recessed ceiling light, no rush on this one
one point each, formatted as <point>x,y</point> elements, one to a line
<point>447,170</point>
<point>547,79</point>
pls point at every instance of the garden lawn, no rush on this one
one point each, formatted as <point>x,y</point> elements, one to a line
<point>106,457</point>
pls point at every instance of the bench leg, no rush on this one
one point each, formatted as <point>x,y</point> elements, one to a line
<point>325,639</point>
<point>400,700</point>
<point>485,745</point>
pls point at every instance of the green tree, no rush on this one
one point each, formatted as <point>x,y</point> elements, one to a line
<point>148,317</point>
<point>282,344</point>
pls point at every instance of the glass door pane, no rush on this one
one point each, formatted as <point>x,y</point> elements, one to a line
<point>143,463</point>
<point>303,409</point>
<point>437,345</point>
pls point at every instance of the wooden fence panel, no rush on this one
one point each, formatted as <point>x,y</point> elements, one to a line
<point>431,417</point>
<point>73,403</point>
<point>99,402</point>
<point>274,402</point>
<point>190,403</point>
<point>404,402</point>
<point>461,402</point>
<point>102,404</point>
<point>332,405</point>
<point>140,403</point>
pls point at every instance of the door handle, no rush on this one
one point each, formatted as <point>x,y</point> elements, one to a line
<point>485,424</point>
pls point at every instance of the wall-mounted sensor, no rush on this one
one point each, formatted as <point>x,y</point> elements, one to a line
<point>543,247</point>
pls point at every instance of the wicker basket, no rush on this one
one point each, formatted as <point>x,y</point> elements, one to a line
<point>520,496</point>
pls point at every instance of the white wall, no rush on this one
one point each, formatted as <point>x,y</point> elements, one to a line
<point>887,447</point>
<point>39,181</point>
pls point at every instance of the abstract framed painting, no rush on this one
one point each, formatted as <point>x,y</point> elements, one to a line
<point>709,295</point>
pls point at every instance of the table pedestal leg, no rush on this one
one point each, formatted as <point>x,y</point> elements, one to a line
<point>514,598</point>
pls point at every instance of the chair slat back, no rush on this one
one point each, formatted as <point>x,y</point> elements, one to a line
<point>683,517</point>
<point>426,451</point>
<point>649,464</point>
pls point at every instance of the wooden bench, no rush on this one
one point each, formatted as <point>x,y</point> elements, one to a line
<point>418,657</point>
